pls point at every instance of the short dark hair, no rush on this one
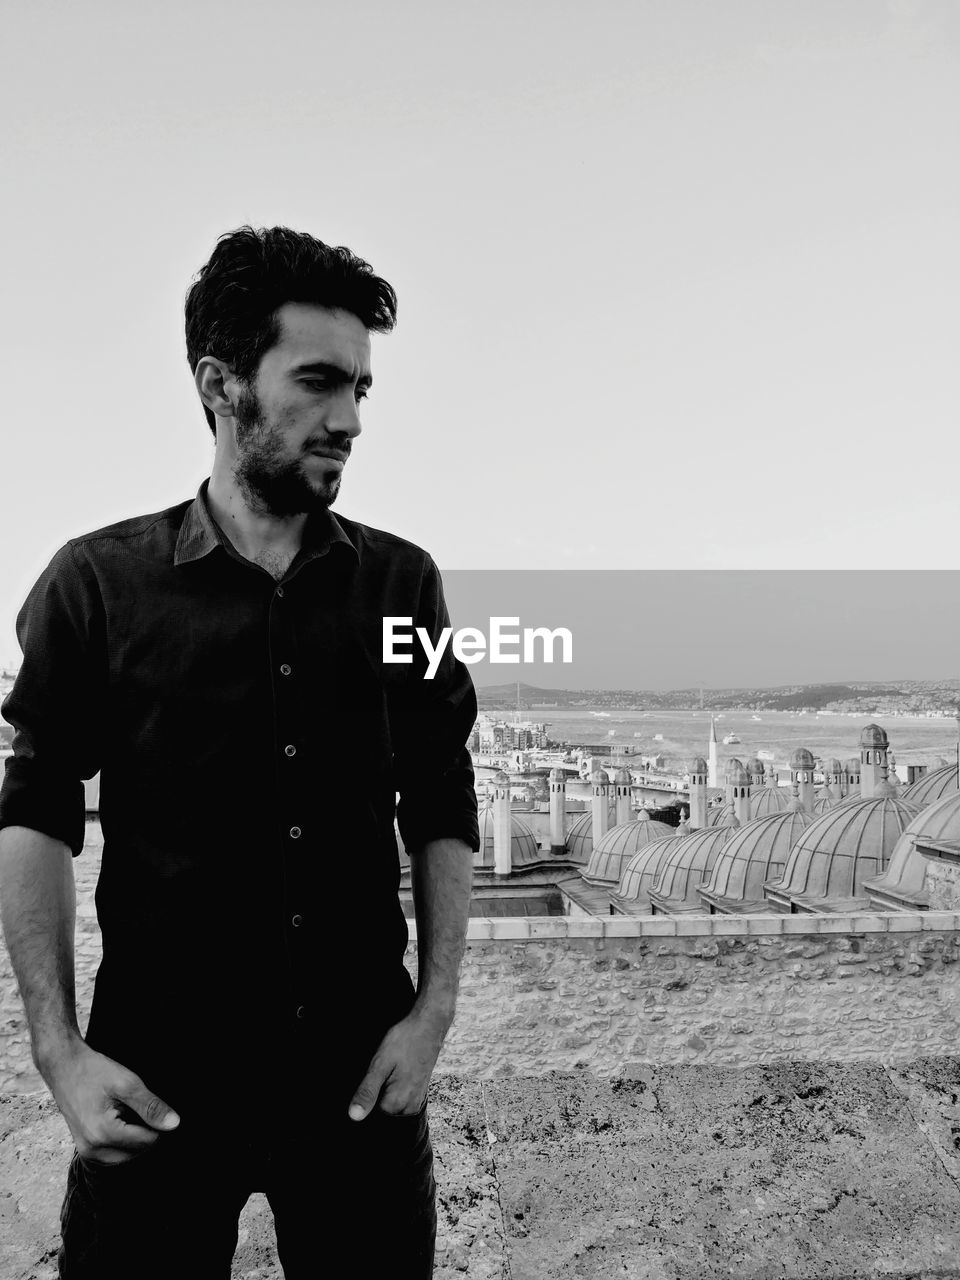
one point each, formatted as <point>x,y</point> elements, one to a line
<point>231,308</point>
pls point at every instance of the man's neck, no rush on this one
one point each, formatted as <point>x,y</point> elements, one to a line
<point>267,540</point>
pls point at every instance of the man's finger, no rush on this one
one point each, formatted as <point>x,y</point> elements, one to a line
<point>368,1091</point>
<point>153,1111</point>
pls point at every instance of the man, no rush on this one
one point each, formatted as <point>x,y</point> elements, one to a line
<point>220,663</point>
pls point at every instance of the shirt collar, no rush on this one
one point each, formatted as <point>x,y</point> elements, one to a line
<point>200,534</point>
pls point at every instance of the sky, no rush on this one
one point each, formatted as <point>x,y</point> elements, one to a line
<point>675,629</point>
<point>677,280</point>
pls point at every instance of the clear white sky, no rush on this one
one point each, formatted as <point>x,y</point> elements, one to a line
<point>678,280</point>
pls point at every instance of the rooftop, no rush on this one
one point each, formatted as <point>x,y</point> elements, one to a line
<point>787,1169</point>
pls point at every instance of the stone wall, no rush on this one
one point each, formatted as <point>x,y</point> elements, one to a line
<point>615,993</point>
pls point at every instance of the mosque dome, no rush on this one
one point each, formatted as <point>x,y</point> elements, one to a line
<point>846,845</point>
<point>801,759</point>
<point>873,737</point>
<point>906,870</point>
<point>699,765</point>
<point>757,852</point>
<point>722,816</point>
<point>931,786</point>
<point>523,843</point>
<point>755,767</point>
<point>643,869</point>
<point>600,778</point>
<point>689,863</point>
<point>853,765</point>
<point>831,767</point>
<point>557,775</point>
<point>765,801</point>
<point>823,802</point>
<point>623,777</point>
<point>618,846</point>
<point>501,779</point>
<point>580,835</point>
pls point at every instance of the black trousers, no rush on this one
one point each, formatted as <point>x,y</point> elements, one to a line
<point>358,1202</point>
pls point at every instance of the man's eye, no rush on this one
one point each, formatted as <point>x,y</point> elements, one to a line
<point>315,384</point>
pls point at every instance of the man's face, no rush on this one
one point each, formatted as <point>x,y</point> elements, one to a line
<point>297,420</point>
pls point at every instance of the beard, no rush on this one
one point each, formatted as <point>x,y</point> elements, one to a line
<point>271,482</point>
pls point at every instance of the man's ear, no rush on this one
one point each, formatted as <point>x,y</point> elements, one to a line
<point>217,386</point>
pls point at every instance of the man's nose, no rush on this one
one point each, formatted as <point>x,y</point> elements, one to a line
<point>345,418</point>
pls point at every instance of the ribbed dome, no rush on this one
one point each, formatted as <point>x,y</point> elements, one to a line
<point>688,863</point>
<point>721,816</point>
<point>767,800</point>
<point>755,767</point>
<point>643,869</point>
<point>699,765</point>
<point>801,759</point>
<point>755,853</point>
<point>523,843</point>
<point>823,802</point>
<point>618,846</point>
<point>906,870</point>
<point>931,786</point>
<point>580,835</point>
<point>847,845</point>
<point>600,778</point>
<point>873,737</point>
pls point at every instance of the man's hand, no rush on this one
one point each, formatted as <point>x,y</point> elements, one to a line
<point>110,1112</point>
<point>400,1070</point>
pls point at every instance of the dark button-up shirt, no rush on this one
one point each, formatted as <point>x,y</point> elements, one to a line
<point>251,743</point>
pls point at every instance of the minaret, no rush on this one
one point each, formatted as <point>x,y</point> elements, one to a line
<point>756,772</point>
<point>558,812</point>
<point>698,794</point>
<point>600,804</point>
<point>623,790</point>
<point>873,759</point>
<point>801,776</point>
<point>502,860</point>
<point>713,768</point>
<point>833,776</point>
<point>738,790</point>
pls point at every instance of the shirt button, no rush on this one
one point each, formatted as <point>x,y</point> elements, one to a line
<point>301,1011</point>
<point>295,833</point>
<point>285,668</point>
<point>297,921</point>
<point>290,750</point>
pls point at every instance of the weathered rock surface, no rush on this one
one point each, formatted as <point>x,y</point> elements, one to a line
<point>819,1171</point>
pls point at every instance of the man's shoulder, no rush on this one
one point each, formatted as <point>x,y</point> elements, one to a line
<point>378,542</point>
<point>156,526</point>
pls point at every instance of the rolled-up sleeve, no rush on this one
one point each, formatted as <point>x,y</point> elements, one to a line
<point>56,703</point>
<point>434,770</point>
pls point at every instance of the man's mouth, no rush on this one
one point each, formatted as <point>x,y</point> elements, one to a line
<point>335,455</point>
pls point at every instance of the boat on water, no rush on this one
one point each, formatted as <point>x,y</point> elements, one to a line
<point>764,754</point>
<point>601,715</point>
<point>756,717</point>
<point>730,738</point>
